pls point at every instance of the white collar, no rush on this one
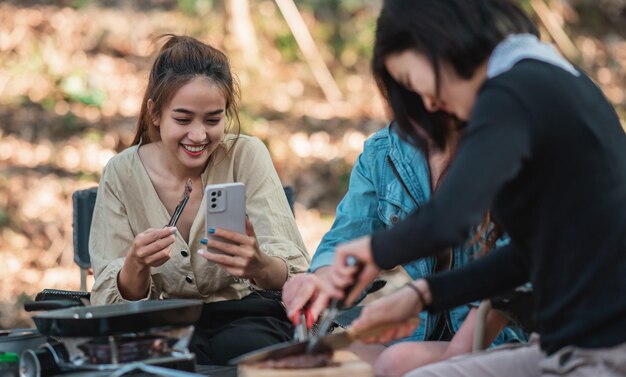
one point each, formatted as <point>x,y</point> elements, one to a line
<point>518,47</point>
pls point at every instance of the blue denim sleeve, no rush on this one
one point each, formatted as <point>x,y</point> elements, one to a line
<point>356,215</point>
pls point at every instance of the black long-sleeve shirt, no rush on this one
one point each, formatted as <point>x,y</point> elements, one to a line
<point>545,150</point>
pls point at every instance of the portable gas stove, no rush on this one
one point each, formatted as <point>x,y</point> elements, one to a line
<point>113,340</point>
<point>160,351</point>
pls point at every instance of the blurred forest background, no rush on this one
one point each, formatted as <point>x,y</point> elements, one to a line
<point>72,73</point>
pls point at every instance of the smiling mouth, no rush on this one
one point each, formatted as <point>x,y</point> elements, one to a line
<point>194,148</point>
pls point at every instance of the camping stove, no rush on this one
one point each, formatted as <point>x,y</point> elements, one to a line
<point>158,351</point>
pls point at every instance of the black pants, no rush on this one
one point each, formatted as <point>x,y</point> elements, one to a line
<point>228,329</point>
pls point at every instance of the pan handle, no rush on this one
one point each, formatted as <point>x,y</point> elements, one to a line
<point>33,306</point>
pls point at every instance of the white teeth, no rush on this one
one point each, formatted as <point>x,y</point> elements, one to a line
<point>193,149</point>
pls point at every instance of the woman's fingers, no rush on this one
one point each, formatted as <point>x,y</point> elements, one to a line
<point>344,273</point>
<point>304,295</point>
<point>152,247</point>
<point>408,329</point>
<point>228,248</point>
<point>310,289</point>
<point>402,330</point>
<point>290,292</point>
<point>237,238</point>
<point>292,286</point>
<point>234,265</point>
<point>396,309</point>
<point>249,228</point>
<point>159,259</point>
<point>151,235</point>
<point>341,278</point>
<point>224,260</point>
<point>378,313</point>
<point>318,304</point>
<point>156,246</point>
<point>368,318</point>
<point>240,253</point>
<point>367,275</point>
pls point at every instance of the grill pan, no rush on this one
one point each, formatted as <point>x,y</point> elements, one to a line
<point>114,319</point>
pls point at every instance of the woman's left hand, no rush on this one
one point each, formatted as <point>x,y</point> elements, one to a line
<point>395,309</point>
<point>343,274</point>
<point>243,258</point>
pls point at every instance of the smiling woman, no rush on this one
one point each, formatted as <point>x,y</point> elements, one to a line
<point>190,126</point>
<point>183,134</point>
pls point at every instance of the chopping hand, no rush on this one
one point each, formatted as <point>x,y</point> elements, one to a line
<point>334,307</point>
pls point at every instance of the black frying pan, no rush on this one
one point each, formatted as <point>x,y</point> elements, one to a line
<point>103,320</point>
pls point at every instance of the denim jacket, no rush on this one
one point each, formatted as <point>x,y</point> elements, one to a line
<point>390,180</point>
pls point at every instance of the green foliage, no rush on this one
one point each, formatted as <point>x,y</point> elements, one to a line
<point>525,4</point>
<point>22,299</point>
<point>4,218</point>
<point>286,44</point>
<point>87,177</point>
<point>77,4</point>
<point>341,169</point>
<point>48,103</point>
<point>343,25</point>
<point>94,135</point>
<point>70,123</point>
<point>76,88</point>
<point>195,7</point>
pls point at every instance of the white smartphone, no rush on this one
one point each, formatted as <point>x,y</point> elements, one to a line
<point>226,209</point>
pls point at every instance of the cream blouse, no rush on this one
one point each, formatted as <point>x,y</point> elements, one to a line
<point>127,204</point>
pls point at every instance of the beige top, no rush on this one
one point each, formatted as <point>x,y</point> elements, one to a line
<point>127,204</point>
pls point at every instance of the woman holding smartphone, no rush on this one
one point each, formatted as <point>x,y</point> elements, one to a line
<point>182,134</point>
<point>543,149</point>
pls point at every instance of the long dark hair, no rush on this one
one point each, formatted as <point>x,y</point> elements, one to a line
<point>180,60</point>
<point>462,33</point>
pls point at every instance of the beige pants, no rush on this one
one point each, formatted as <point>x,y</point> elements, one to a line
<point>527,360</point>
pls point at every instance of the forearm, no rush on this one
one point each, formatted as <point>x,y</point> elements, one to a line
<point>499,271</point>
<point>323,272</point>
<point>273,275</point>
<point>133,281</point>
<point>462,341</point>
<point>496,322</point>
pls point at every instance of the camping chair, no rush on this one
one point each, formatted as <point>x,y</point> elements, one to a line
<point>83,202</point>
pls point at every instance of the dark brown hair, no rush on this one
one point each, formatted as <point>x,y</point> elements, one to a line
<point>462,33</point>
<point>181,59</point>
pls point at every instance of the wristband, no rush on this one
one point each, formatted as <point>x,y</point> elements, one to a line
<point>419,293</point>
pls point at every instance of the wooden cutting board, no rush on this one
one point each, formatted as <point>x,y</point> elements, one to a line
<point>349,365</point>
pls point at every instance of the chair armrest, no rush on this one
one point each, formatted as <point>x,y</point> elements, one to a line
<point>59,294</point>
<point>35,306</point>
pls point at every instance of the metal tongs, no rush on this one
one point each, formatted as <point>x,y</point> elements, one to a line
<point>181,205</point>
<point>333,308</point>
<point>303,323</point>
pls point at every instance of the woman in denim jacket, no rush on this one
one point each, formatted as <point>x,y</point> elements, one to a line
<point>391,179</point>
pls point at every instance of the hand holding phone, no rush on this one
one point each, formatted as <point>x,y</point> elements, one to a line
<point>225,209</point>
<point>231,241</point>
<point>230,238</point>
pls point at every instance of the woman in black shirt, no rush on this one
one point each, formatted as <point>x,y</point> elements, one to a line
<point>542,149</point>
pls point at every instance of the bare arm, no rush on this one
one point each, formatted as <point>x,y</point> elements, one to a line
<point>462,341</point>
